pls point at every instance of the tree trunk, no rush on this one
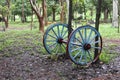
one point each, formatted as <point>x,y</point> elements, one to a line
<point>69,23</point>
<point>70,18</point>
<point>53,9</point>
<point>45,12</point>
<point>67,1</point>
<point>62,15</point>
<point>7,18</point>
<point>106,15</point>
<point>41,23</point>
<point>115,13</point>
<point>98,12</point>
<point>14,18</point>
<point>23,15</point>
<point>32,20</point>
<point>6,22</point>
<point>36,9</point>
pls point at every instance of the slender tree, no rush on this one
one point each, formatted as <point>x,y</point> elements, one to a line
<point>115,13</point>
<point>4,11</point>
<point>62,12</point>
<point>44,5</point>
<point>23,15</point>
<point>98,14</point>
<point>36,6</point>
<point>69,21</point>
<point>70,17</point>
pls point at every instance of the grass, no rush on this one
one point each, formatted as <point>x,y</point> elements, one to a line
<point>32,40</point>
<point>106,55</point>
<point>15,42</point>
<point>108,31</point>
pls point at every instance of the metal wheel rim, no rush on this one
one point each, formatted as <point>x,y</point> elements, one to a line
<point>76,48</point>
<point>55,31</point>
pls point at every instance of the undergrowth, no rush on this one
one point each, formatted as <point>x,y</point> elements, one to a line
<point>20,41</point>
<point>15,42</point>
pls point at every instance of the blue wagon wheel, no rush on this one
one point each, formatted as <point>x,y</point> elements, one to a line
<point>81,45</point>
<point>53,38</point>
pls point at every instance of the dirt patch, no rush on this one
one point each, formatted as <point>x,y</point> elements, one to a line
<point>28,63</point>
<point>39,67</point>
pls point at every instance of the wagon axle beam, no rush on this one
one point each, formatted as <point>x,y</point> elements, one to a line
<point>60,41</point>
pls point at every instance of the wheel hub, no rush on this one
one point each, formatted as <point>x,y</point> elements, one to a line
<point>60,40</point>
<point>87,46</point>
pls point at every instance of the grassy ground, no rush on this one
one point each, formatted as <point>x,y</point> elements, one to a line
<point>17,38</point>
<point>108,31</point>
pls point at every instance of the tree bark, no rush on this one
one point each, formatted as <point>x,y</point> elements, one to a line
<point>69,24</point>
<point>6,19</point>
<point>32,20</point>
<point>62,13</point>
<point>38,14</point>
<point>6,22</point>
<point>45,12</point>
<point>106,15</point>
<point>53,10</point>
<point>70,18</point>
<point>115,13</point>
<point>23,15</point>
<point>98,14</point>
<point>41,25</point>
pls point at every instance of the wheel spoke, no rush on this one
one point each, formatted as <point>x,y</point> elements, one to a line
<point>93,38</point>
<point>50,40</point>
<point>60,48</point>
<point>65,33</point>
<point>81,56</point>
<point>99,48</point>
<point>55,33</point>
<point>52,44</point>
<point>76,49</point>
<point>79,41</point>
<point>58,31</point>
<point>77,54</point>
<point>63,47</point>
<point>89,35</point>
<point>62,31</point>
<point>85,33</point>
<point>73,43</point>
<point>95,42</point>
<point>81,36</point>
<point>85,56</point>
<point>54,47</point>
<point>89,55</point>
<point>51,36</point>
<point>65,37</point>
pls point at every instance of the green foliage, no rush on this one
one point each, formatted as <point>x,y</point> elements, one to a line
<point>17,8</point>
<point>106,56</point>
<point>78,5</point>
<point>4,10</point>
<point>53,5</point>
<point>107,4</point>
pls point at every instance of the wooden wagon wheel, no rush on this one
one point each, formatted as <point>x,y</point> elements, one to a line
<point>53,38</point>
<point>81,45</point>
